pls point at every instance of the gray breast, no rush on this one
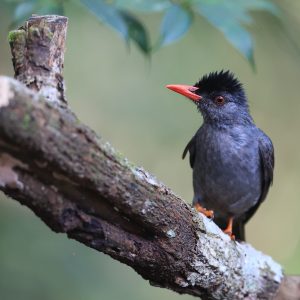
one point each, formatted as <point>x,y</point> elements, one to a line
<point>226,174</point>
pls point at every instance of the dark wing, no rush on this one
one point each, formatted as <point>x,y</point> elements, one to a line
<point>266,153</point>
<point>191,147</point>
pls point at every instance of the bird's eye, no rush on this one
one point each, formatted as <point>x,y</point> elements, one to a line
<point>220,100</point>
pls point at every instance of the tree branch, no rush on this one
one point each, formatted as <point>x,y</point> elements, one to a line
<point>78,184</point>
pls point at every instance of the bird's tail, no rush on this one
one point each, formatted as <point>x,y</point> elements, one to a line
<point>239,231</point>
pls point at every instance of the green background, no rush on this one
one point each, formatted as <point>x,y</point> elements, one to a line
<point>121,95</point>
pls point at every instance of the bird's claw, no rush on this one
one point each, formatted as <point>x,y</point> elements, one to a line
<point>208,213</point>
<point>228,232</point>
<point>228,229</point>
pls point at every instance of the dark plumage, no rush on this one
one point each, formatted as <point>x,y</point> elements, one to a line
<point>220,81</point>
<point>232,159</point>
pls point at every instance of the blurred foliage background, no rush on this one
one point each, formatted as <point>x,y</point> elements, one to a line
<point>119,91</point>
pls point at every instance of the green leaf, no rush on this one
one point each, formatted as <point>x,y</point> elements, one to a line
<point>52,8</point>
<point>228,16</point>
<point>263,5</point>
<point>241,39</point>
<point>24,9</point>
<point>22,12</point>
<point>137,32</point>
<point>176,22</point>
<point>143,5</point>
<point>108,14</point>
<point>40,7</point>
<point>14,1</point>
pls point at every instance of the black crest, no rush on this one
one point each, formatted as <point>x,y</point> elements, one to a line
<point>220,81</point>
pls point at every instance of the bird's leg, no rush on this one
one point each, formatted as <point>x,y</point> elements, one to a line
<point>207,213</point>
<point>228,229</point>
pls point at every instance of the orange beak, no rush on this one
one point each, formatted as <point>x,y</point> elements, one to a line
<point>185,90</point>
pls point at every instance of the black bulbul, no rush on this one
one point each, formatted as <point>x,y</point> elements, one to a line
<point>232,159</point>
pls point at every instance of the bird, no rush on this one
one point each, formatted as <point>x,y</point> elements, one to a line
<point>232,159</point>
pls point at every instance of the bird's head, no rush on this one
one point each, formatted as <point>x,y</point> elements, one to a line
<point>219,96</point>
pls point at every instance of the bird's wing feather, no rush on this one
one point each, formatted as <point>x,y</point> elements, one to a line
<point>266,154</point>
<point>191,147</point>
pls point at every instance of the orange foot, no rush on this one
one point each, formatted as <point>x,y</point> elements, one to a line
<point>207,213</point>
<point>228,229</point>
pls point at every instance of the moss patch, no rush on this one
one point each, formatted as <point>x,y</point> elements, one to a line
<point>26,121</point>
<point>16,36</point>
<point>34,31</point>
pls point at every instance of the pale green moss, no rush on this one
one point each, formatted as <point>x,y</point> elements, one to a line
<point>26,121</point>
<point>48,33</point>
<point>16,35</point>
<point>34,31</point>
<point>123,160</point>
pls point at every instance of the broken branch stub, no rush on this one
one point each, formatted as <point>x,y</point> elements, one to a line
<point>38,54</point>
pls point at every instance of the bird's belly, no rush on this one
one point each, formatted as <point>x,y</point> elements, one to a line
<point>229,184</point>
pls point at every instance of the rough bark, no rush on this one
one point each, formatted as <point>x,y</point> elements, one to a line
<point>38,55</point>
<point>77,184</point>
